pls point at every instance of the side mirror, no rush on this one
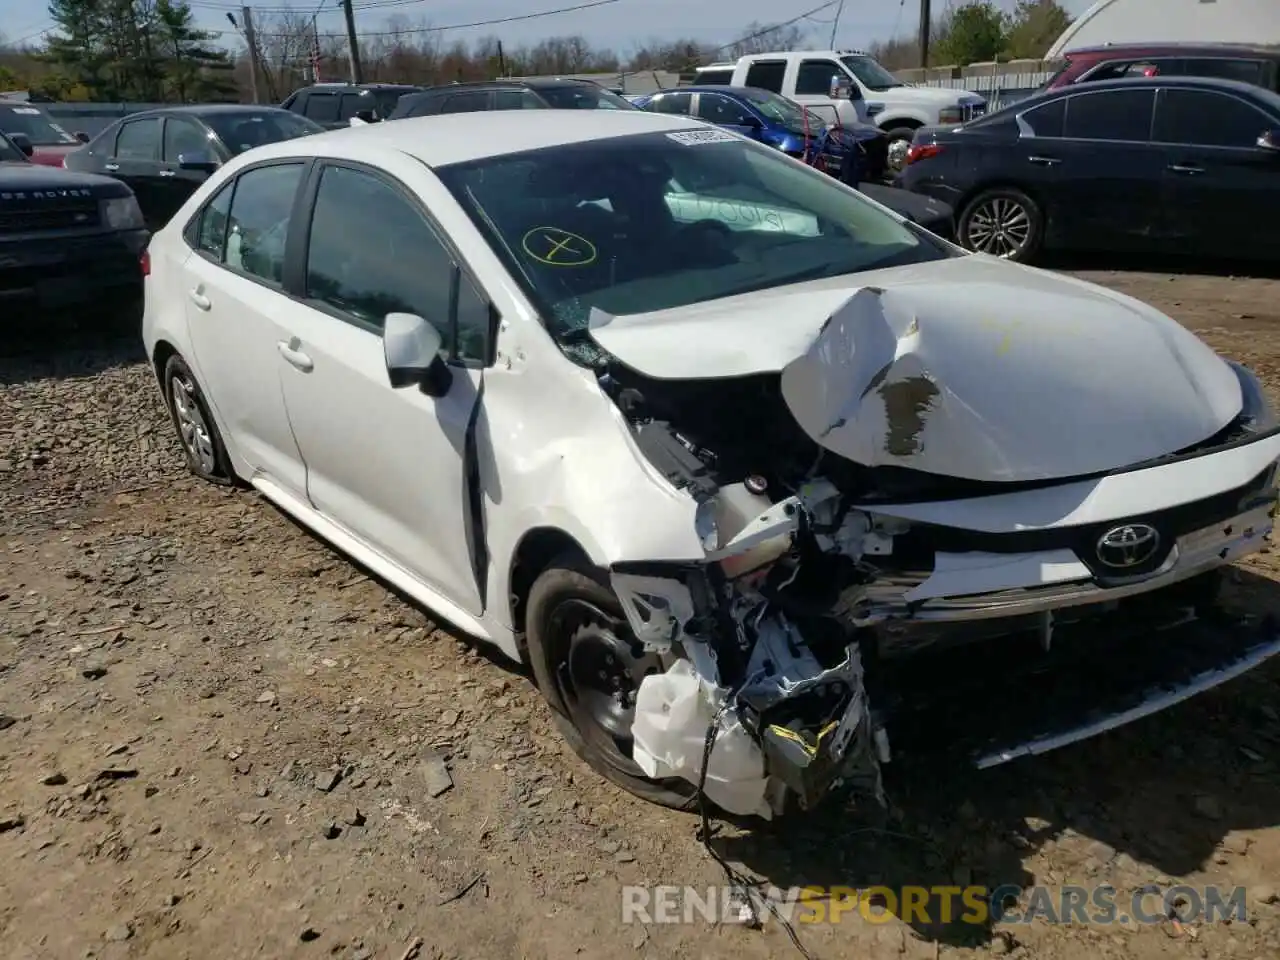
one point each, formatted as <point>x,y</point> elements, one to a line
<point>1270,140</point>
<point>411,348</point>
<point>82,136</point>
<point>23,143</point>
<point>202,161</point>
<point>841,87</point>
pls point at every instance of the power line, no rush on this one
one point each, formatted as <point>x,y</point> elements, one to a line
<point>777,26</point>
<point>464,26</point>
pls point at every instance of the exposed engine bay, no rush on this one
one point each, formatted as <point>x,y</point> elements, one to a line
<point>781,648</point>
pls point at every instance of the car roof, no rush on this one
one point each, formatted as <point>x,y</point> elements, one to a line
<point>459,137</point>
<point>1168,49</point>
<point>199,109</point>
<point>1247,90</point>
<point>339,85</point>
<point>532,83</point>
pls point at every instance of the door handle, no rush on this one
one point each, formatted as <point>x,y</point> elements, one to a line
<point>111,166</point>
<point>1186,168</point>
<point>168,173</point>
<point>1044,161</point>
<point>295,356</point>
<point>199,299</point>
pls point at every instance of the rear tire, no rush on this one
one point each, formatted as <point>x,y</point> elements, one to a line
<point>588,664</point>
<point>198,434</point>
<point>1003,222</point>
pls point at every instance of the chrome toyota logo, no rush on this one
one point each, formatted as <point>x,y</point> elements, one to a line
<point>1123,547</point>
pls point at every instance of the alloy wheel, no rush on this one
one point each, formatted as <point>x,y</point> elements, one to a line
<point>192,427</point>
<point>896,155</point>
<point>999,226</point>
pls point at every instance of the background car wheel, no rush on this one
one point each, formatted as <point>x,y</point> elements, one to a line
<point>896,153</point>
<point>206,455</point>
<point>1004,223</point>
<point>589,665</point>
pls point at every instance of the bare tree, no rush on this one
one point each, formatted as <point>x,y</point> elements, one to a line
<point>762,38</point>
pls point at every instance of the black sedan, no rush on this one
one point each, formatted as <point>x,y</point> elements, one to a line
<point>1161,164</point>
<point>164,155</point>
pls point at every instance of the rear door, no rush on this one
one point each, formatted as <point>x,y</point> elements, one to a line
<point>1221,191</point>
<point>1104,172</point>
<point>138,161</point>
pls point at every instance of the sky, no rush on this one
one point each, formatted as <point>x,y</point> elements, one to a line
<point>622,25</point>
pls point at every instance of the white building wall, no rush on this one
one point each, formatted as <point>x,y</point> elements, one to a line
<point>1172,21</point>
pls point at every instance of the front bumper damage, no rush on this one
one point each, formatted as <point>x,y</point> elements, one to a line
<point>767,703</point>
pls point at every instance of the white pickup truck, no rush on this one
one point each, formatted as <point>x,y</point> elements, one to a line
<point>849,86</point>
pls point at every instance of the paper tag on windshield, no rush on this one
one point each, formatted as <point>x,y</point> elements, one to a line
<point>29,111</point>
<point>692,137</point>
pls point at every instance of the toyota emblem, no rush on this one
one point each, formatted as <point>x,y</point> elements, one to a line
<point>1121,548</point>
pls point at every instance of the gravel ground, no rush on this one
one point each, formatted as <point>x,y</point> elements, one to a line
<point>218,738</point>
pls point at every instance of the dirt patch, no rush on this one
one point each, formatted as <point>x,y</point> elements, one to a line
<point>220,739</point>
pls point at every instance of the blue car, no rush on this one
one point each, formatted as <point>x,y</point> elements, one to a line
<point>853,154</point>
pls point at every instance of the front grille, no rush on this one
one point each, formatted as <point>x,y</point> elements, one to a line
<point>59,213</point>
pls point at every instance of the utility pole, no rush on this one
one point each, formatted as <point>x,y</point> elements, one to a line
<point>835,24</point>
<point>926,16</point>
<point>251,40</point>
<point>353,43</point>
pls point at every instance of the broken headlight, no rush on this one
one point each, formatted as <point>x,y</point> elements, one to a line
<point>1256,412</point>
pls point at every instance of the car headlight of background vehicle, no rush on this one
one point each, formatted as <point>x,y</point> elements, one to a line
<point>1256,412</point>
<point>121,213</point>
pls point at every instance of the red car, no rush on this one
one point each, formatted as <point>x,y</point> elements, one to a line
<point>1259,66</point>
<point>27,123</point>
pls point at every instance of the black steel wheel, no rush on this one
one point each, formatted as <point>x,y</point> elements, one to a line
<point>589,666</point>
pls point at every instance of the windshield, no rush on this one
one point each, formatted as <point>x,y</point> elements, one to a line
<point>243,130</point>
<point>583,97</point>
<point>39,129</point>
<point>871,74</point>
<point>661,220</point>
<point>9,153</point>
<point>782,111</point>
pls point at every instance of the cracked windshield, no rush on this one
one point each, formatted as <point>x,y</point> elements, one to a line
<point>662,220</point>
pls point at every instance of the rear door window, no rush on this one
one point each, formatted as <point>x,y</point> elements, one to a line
<point>467,102</point>
<point>1047,120</point>
<point>1123,115</point>
<point>515,100</point>
<point>139,140</point>
<point>677,103</point>
<point>1246,71</point>
<point>321,107</point>
<point>767,74</point>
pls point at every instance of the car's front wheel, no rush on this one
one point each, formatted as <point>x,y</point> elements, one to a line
<point>1002,222</point>
<point>589,666</point>
<point>201,442</point>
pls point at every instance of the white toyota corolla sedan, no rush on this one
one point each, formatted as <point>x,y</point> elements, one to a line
<point>766,484</point>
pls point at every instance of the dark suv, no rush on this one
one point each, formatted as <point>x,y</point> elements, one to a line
<point>535,94</point>
<point>332,105</point>
<point>1259,66</point>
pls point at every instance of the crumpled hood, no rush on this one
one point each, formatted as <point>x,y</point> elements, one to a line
<point>969,367</point>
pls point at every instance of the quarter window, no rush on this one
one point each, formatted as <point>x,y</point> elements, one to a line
<point>767,74</point>
<point>258,224</point>
<point>814,77</point>
<point>1203,119</point>
<point>211,235</point>
<point>139,140</point>
<point>1112,115</point>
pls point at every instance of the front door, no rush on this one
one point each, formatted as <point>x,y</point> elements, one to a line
<point>234,301</point>
<point>388,465</point>
<point>181,136</point>
<point>1221,190</point>
<point>724,112</point>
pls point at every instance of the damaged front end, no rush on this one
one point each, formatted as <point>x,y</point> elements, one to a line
<point>886,532</point>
